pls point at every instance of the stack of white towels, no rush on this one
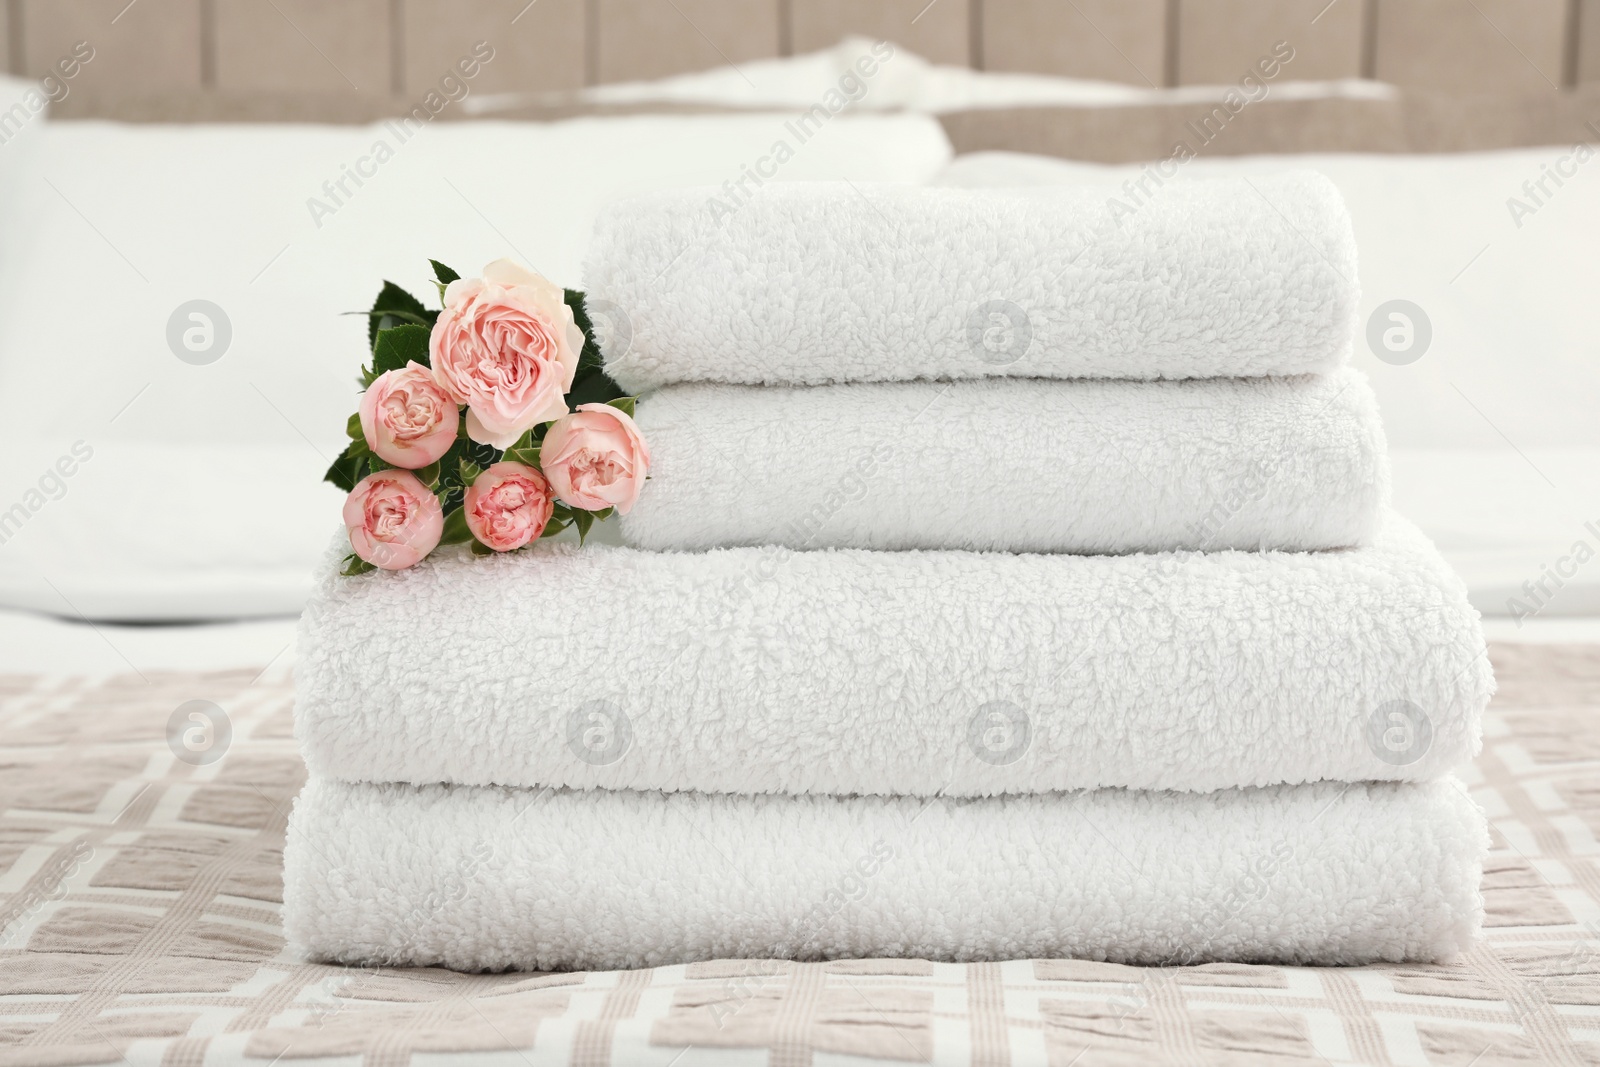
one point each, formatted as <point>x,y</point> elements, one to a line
<point>1015,579</point>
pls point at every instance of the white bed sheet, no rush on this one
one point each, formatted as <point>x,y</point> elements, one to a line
<point>201,498</point>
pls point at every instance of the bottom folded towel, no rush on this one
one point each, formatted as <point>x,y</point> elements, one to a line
<point>491,878</point>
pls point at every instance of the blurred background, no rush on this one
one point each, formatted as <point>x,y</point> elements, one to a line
<point>195,193</point>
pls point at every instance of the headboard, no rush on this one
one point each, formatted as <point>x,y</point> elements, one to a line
<point>1482,65</point>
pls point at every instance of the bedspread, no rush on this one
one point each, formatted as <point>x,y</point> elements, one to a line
<point>141,830</point>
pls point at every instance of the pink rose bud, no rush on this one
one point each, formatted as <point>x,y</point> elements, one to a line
<point>506,346</point>
<point>406,418</point>
<point>508,506</point>
<point>596,459</point>
<point>393,519</point>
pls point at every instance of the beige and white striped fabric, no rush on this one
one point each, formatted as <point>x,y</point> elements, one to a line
<point>140,854</point>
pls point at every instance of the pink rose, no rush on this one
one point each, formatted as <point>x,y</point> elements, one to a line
<point>596,459</point>
<point>393,519</point>
<point>508,505</point>
<point>506,346</point>
<point>406,418</point>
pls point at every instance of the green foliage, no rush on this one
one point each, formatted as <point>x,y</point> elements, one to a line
<point>455,528</point>
<point>443,275</point>
<point>590,355</point>
<point>349,468</point>
<point>398,346</point>
<point>525,449</point>
<point>395,307</point>
<point>592,386</point>
<point>560,519</point>
<point>398,331</point>
<point>583,520</point>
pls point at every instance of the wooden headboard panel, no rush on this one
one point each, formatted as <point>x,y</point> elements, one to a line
<point>349,58</point>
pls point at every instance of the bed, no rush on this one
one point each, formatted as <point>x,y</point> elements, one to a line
<point>142,893</point>
<point>1495,450</point>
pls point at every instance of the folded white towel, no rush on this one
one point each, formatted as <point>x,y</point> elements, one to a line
<point>1023,466</point>
<point>812,282</point>
<point>851,671</point>
<point>494,878</point>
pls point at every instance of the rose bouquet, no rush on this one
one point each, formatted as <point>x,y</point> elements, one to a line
<point>489,421</point>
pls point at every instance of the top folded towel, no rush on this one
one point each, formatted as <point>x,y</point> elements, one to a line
<point>809,283</point>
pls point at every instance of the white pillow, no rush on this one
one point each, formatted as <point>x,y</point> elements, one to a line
<point>201,498</point>
<point>24,107</point>
<point>1504,397</point>
<point>865,75</point>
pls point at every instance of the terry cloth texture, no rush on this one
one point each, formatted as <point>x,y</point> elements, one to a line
<point>814,282</point>
<point>916,673</point>
<point>492,878</point>
<point>1018,466</point>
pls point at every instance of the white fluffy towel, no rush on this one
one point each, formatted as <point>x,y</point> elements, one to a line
<point>814,282</point>
<point>1010,465</point>
<point>918,673</point>
<point>468,878</point>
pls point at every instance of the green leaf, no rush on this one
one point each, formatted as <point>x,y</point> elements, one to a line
<point>469,471</point>
<point>525,449</point>
<point>528,457</point>
<point>593,386</point>
<point>583,520</point>
<point>553,527</point>
<point>623,404</point>
<point>589,357</point>
<point>394,302</point>
<point>444,276</point>
<point>354,565</point>
<point>398,346</point>
<point>347,470</point>
<point>481,549</point>
<point>352,426</point>
<point>429,475</point>
<point>455,528</point>
<point>601,516</point>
